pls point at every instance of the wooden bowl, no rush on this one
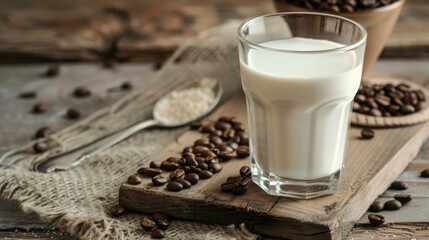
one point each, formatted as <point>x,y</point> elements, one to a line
<point>378,22</point>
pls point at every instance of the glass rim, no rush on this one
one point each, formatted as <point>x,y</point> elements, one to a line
<point>345,48</point>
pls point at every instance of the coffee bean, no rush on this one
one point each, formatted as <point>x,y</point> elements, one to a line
<point>195,124</point>
<point>243,181</point>
<point>403,87</point>
<point>244,141</point>
<point>81,92</point>
<point>185,183</point>
<point>233,145</point>
<point>215,167</point>
<point>208,155</point>
<point>157,233</point>
<point>418,106</point>
<point>39,108</point>
<point>393,109</point>
<point>190,160</point>
<point>200,149</point>
<point>117,211</point>
<point>375,112</point>
<point>72,113</point>
<point>225,148</point>
<point>376,219</point>
<point>205,174</point>
<point>192,178</point>
<point>245,171</point>
<point>134,179</point>
<point>392,205</point>
<point>239,127</point>
<point>159,180</point>
<point>147,224</point>
<point>421,95</point>
<point>126,86</point>
<point>370,102</point>
<point>178,173</point>
<point>52,70</point>
<point>360,98</point>
<point>169,166</point>
<point>149,172</point>
<point>398,185</point>
<point>40,147</point>
<point>403,198</point>
<point>223,126</point>
<point>228,186</point>
<point>216,132</point>
<point>174,186</point>
<point>42,132</point>
<point>228,134</point>
<point>27,95</point>
<point>201,142</point>
<point>217,141</point>
<point>239,190</point>
<point>203,166</point>
<point>155,164</point>
<point>367,133</point>
<point>161,220</point>
<point>407,109</point>
<point>194,169</point>
<point>187,150</point>
<point>226,156</point>
<point>208,129</point>
<point>243,151</point>
<point>425,173</point>
<point>376,206</point>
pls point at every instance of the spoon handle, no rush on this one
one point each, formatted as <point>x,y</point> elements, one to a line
<point>122,136</point>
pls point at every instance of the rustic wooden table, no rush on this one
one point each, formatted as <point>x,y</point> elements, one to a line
<point>132,31</point>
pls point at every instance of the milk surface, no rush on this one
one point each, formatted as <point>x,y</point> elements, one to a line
<point>299,106</point>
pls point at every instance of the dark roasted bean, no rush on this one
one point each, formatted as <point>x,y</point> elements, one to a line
<point>403,198</point>
<point>126,86</point>
<point>149,172</point>
<point>155,164</point>
<point>117,211</point>
<point>208,129</point>
<point>245,171</point>
<point>216,132</point>
<point>203,166</point>
<point>223,126</point>
<point>178,173</point>
<point>185,183</point>
<point>42,132</point>
<point>228,134</point>
<point>243,151</point>
<point>81,92</point>
<point>134,179</point>
<point>425,173</point>
<point>200,149</point>
<point>215,167</point>
<point>360,98</point>
<point>169,166</point>
<point>376,219</point>
<point>376,206</point>
<point>201,142</point>
<point>226,156</point>
<point>217,141</point>
<point>239,190</point>
<point>40,147</point>
<point>398,185</point>
<point>52,70</point>
<point>407,109</point>
<point>39,108</point>
<point>367,133</point>
<point>72,113</point>
<point>228,186</point>
<point>195,124</point>
<point>205,174</point>
<point>26,95</point>
<point>187,150</point>
<point>392,205</point>
<point>192,178</point>
<point>159,180</point>
<point>147,224</point>
<point>157,233</point>
<point>226,148</point>
<point>174,186</point>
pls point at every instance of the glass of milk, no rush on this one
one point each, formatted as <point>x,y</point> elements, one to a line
<point>300,73</point>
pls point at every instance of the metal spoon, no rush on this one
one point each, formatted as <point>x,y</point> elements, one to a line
<point>49,165</point>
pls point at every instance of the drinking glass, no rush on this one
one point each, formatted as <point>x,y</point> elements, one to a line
<point>300,73</point>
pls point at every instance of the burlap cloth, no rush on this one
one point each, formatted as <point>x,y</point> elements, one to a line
<point>77,201</point>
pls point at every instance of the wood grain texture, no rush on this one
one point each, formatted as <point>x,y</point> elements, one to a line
<point>146,30</point>
<point>370,168</point>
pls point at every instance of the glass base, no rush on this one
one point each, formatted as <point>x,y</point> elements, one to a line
<point>301,189</point>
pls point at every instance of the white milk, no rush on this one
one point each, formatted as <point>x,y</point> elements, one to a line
<point>299,107</point>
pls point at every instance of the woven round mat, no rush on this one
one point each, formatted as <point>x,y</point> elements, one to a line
<point>394,121</point>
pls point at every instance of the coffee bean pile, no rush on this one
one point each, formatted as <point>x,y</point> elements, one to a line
<point>388,100</point>
<point>156,224</point>
<point>394,204</point>
<point>341,5</point>
<point>225,139</point>
<point>237,184</point>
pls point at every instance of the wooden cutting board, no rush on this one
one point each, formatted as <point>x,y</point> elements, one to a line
<point>371,166</point>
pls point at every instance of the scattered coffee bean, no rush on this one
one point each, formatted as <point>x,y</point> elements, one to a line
<point>403,198</point>
<point>376,219</point>
<point>42,132</point>
<point>205,174</point>
<point>392,205</point>
<point>149,172</point>
<point>157,233</point>
<point>217,133</point>
<point>186,184</point>
<point>201,142</point>
<point>147,224</point>
<point>398,185</point>
<point>208,129</point>
<point>52,70</point>
<point>40,147</point>
<point>27,95</point>
<point>376,206</point>
<point>223,126</point>
<point>134,179</point>
<point>233,145</point>
<point>216,140</point>
<point>169,166</point>
<point>226,156</point>
<point>81,92</point>
<point>117,211</point>
<point>215,167</point>
<point>39,108</point>
<point>72,113</point>
<point>228,134</point>
<point>159,180</point>
<point>195,124</point>
<point>239,190</point>
<point>425,173</point>
<point>126,86</point>
<point>192,178</point>
<point>155,164</point>
<point>161,220</point>
<point>243,151</point>
<point>228,186</point>
<point>178,173</point>
<point>174,186</point>
<point>367,133</point>
<point>203,166</point>
<point>187,150</point>
<point>245,171</point>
